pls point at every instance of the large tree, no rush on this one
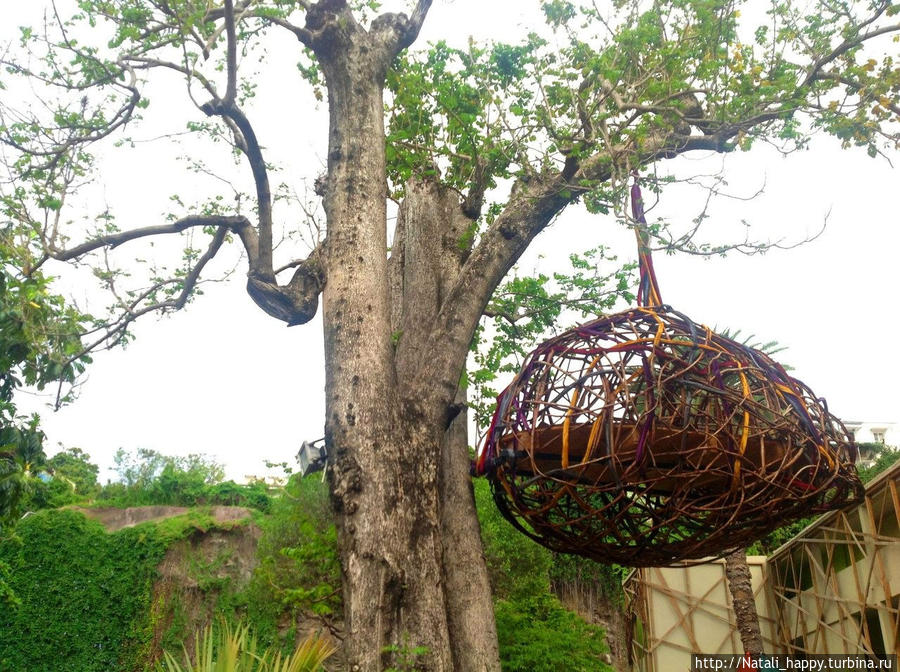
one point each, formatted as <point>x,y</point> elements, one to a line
<point>480,148</point>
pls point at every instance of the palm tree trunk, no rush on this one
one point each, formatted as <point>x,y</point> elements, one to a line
<point>737,574</point>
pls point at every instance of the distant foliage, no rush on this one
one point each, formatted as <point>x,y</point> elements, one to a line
<point>69,477</point>
<point>778,537</point>
<point>586,575</point>
<point>143,466</point>
<point>74,466</point>
<point>151,478</point>
<point>886,456</point>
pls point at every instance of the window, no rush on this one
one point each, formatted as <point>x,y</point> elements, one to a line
<point>878,434</point>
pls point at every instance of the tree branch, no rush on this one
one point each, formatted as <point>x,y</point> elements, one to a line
<point>228,108</point>
<point>534,203</point>
<point>113,332</point>
<point>191,279</point>
<point>849,44</point>
<point>245,138</point>
<point>294,303</point>
<point>531,208</point>
<point>305,36</point>
<point>843,79</point>
<point>231,54</point>
<point>262,265</point>
<point>414,24</point>
<point>238,224</point>
<point>92,133</point>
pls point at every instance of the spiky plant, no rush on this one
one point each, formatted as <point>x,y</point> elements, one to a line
<point>228,648</point>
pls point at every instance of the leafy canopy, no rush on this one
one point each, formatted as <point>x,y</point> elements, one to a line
<point>40,346</point>
<point>562,116</point>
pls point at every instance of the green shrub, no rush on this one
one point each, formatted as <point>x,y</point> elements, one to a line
<point>585,575</point>
<point>298,570</point>
<point>517,566</point>
<point>886,456</point>
<point>254,495</point>
<point>84,595</point>
<point>536,634</point>
<point>73,467</point>
<point>150,478</point>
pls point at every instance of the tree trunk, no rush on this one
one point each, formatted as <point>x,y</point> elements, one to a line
<point>415,586</point>
<point>470,615</point>
<point>737,573</point>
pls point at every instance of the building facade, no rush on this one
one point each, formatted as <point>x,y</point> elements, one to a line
<point>834,588</point>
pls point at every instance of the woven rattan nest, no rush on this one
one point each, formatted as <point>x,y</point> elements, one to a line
<point>644,439</point>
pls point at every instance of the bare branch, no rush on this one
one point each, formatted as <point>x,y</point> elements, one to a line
<point>240,225</point>
<point>112,333</point>
<point>147,62</point>
<point>288,266</point>
<point>190,280</point>
<point>305,36</point>
<point>231,54</point>
<point>246,141</point>
<point>414,24</point>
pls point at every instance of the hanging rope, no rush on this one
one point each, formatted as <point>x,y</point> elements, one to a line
<point>648,289</point>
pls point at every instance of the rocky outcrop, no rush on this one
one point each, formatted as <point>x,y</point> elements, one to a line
<point>196,573</point>
<point>113,518</point>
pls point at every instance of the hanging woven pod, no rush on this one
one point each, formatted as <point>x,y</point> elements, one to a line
<point>644,439</point>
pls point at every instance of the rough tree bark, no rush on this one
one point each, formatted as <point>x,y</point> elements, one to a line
<point>397,333</point>
<point>737,574</point>
<point>406,594</point>
<point>426,259</point>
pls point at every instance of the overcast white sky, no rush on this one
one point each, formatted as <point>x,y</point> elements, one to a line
<point>224,379</point>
